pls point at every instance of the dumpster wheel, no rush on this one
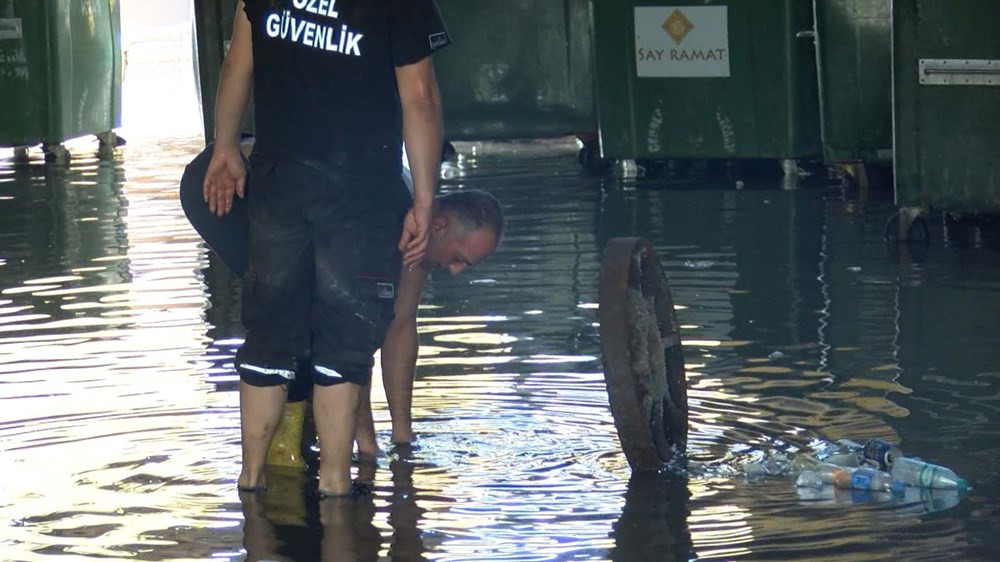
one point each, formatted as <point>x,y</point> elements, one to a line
<point>56,153</point>
<point>642,355</point>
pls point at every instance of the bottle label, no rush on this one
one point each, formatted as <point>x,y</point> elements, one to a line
<point>862,479</point>
<point>840,478</point>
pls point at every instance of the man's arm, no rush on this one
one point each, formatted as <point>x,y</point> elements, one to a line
<point>399,354</point>
<point>422,134</point>
<point>399,358</point>
<point>226,173</point>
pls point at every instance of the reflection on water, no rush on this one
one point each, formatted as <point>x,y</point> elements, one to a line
<point>120,417</point>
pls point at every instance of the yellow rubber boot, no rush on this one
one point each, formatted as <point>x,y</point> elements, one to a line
<point>286,445</point>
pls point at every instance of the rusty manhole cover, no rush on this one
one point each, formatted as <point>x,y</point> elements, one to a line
<point>642,355</point>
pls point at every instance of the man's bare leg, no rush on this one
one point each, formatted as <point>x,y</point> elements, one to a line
<point>336,409</point>
<point>260,410</point>
<point>365,432</point>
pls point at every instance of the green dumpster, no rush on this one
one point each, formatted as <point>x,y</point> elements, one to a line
<point>517,69</point>
<point>60,71</point>
<point>725,79</point>
<point>854,54</point>
<point>946,87</point>
<point>213,28</point>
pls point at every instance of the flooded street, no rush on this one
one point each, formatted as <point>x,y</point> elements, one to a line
<point>119,415</point>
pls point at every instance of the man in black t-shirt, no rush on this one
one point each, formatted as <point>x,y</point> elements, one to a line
<point>338,86</point>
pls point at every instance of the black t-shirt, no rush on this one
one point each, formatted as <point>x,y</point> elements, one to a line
<point>324,77</point>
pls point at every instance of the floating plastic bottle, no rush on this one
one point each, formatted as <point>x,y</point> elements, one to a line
<point>768,464</point>
<point>802,462</point>
<point>755,470</point>
<point>843,459</point>
<point>828,472</point>
<point>876,480</point>
<point>881,454</point>
<point>915,472</point>
<point>809,479</point>
<point>857,478</point>
<point>930,500</point>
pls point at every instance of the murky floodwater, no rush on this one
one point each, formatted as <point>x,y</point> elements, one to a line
<point>120,420</point>
<point>119,416</point>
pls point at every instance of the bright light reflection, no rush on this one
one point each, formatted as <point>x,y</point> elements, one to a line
<point>460,319</point>
<point>714,343</point>
<point>48,280</point>
<point>476,338</point>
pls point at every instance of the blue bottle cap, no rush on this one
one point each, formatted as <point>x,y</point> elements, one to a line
<point>897,487</point>
<point>962,485</point>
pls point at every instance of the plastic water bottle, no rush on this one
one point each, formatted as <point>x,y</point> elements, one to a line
<point>881,453</point>
<point>828,472</point>
<point>876,480</point>
<point>843,459</point>
<point>915,472</point>
<point>801,462</point>
<point>809,479</point>
<point>930,500</point>
<point>857,478</point>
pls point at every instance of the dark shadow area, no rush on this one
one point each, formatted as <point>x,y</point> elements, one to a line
<point>653,524</point>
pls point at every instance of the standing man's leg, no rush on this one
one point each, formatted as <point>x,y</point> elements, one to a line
<point>357,279</point>
<point>260,411</point>
<point>336,410</point>
<point>277,289</point>
<point>347,331</point>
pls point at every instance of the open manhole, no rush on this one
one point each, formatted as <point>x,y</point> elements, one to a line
<point>642,355</point>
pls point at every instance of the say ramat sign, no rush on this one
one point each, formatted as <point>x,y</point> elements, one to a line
<point>684,42</point>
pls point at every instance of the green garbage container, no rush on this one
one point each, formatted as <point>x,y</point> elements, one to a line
<point>60,70</point>
<point>946,87</point>
<point>854,55</point>
<point>724,79</point>
<point>213,21</point>
<point>517,69</point>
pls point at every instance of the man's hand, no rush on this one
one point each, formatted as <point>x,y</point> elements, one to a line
<point>416,230</point>
<point>226,175</point>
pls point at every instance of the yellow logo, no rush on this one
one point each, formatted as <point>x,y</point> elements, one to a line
<point>677,26</point>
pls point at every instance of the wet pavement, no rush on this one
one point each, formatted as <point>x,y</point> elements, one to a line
<point>119,424</point>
